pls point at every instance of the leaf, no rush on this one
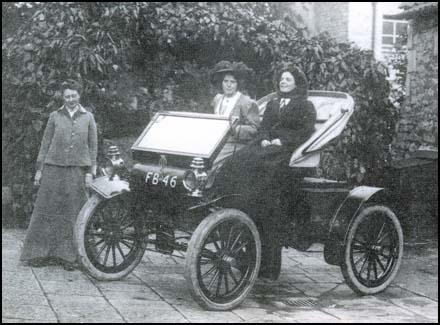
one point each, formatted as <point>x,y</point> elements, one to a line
<point>30,67</point>
<point>27,57</point>
<point>37,125</point>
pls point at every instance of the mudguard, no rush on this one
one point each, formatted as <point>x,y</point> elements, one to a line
<point>109,188</point>
<point>230,201</point>
<point>340,222</point>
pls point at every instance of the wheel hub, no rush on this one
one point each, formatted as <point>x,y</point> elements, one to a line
<point>227,261</point>
<point>375,248</point>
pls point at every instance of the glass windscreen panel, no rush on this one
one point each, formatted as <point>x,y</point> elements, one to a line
<point>187,134</point>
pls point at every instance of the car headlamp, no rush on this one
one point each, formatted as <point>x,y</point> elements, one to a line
<point>114,162</point>
<point>190,181</point>
<point>195,179</point>
<point>108,167</point>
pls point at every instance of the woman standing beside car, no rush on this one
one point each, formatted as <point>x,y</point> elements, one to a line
<point>66,164</point>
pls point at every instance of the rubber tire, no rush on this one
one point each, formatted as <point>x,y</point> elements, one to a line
<point>346,268</point>
<point>199,236</point>
<point>84,215</point>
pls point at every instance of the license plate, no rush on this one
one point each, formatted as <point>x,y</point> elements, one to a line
<point>161,179</point>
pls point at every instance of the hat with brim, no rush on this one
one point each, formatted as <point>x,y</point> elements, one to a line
<point>237,69</point>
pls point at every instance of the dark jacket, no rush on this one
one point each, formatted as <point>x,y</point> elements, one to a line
<point>293,124</point>
<point>69,141</point>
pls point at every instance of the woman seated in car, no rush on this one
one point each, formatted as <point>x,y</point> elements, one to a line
<point>262,168</point>
<point>232,103</point>
<point>288,122</point>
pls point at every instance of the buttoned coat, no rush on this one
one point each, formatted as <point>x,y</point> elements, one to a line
<point>69,141</point>
<point>246,110</point>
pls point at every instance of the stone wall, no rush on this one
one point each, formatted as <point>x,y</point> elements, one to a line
<point>418,122</point>
<point>416,180</point>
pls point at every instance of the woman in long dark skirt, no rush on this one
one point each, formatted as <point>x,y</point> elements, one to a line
<point>66,164</point>
<point>261,171</point>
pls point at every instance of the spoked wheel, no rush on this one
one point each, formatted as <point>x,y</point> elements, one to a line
<point>223,259</point>
<point>373,250</point>
<point>108,238</point>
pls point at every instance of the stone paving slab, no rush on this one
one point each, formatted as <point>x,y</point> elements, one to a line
<point>73,308</point>
<point>258,315</point>
<point>16,298</point>
<point>31,312</point>
<point>21,320</point>
<point>418,305</point>
<point>80,288</point>
<point>157,292</point>
<point>313,290</point>
<point>148,311</point>
<point>146,294</point>
<point>298,315</point>
<point>197,315</point>
<point>57,273</point>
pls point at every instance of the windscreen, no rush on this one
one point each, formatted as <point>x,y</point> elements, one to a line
<point>187,134</point>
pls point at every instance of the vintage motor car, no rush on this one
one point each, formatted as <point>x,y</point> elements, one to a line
<point>167,203</point>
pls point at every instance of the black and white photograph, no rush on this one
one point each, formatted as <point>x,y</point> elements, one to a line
<point>227,162</point>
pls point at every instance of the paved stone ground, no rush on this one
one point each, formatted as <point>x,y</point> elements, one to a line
<point>308,290</point>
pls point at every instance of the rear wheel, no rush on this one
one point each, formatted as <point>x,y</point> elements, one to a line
<point>373,250</point>
<point>108,238</point>
<point>223,259</point>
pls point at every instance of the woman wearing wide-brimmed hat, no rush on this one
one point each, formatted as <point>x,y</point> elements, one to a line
<point>230,78</point>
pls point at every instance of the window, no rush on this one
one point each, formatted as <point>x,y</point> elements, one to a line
<point>391,31</point>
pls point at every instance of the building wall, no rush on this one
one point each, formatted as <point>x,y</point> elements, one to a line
<point>306,12</point>
<point>332,17</point>
<point>418,122</point>
<point>360,24</point>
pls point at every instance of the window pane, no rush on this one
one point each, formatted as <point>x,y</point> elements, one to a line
<point>387,40</point>
<point>401,28</point>
<point>387,27</point>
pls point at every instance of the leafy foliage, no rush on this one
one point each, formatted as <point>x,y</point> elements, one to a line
<point>125,50</point>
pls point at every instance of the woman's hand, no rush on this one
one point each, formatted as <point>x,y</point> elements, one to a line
<point>37,178</point>
<point>265,143</point>
<point>93,170</point>
<point>276,142</point>
<point>88,180</point>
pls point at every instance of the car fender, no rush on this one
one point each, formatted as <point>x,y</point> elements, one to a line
<point>341,220</point>
<point>109,188</point>
<point>227,201</point>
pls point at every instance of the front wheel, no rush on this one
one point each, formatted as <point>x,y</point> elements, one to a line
<point>373,250</point>
<point>108,237</point>
<point>223,259</point>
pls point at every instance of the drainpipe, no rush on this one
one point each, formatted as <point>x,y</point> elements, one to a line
<point>373,31</point>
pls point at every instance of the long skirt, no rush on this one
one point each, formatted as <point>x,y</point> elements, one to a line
<point>264,178</point>
<point>60,197</point>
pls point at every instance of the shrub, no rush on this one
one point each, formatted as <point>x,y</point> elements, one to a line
<point>123,51</point>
